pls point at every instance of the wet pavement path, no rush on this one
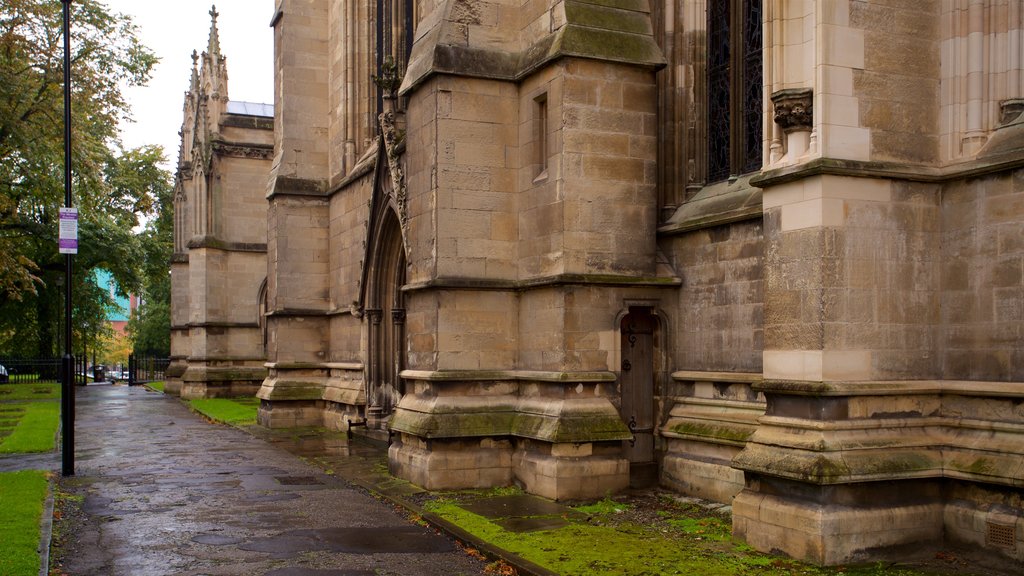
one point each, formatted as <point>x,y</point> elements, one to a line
<point>166,492</point>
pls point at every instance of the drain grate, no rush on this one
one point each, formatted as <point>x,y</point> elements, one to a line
<point>1001,535</point>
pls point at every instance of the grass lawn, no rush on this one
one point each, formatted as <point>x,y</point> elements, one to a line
<point>605,538</point>
<point>29,391</point>
<point>158,386</point>
<point>21,508</point>
<point>233,411</point>
<point>28,426</point>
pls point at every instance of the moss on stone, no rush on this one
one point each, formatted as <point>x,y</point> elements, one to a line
<point>704,430</point>
<point>607,17</point>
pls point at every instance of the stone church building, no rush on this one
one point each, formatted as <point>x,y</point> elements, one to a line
<point>220,236</point>
<point>767,252</point>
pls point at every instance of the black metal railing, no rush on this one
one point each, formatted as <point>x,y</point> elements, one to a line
<point>145,368</point>
<point>29,370</point>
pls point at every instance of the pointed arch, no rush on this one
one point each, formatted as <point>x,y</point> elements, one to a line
<point>385,317</point>
<point>262,308</point>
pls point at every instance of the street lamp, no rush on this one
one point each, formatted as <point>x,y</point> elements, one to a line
<point>67,366</point>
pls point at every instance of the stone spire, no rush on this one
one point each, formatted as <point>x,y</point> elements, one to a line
<point>194,85</point>
<point>214,47</point>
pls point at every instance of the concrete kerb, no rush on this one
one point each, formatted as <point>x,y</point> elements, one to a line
<point>46,530</point>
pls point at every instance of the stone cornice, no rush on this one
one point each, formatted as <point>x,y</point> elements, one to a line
<point>892,170</point>
<point>293,186</point>
<point>297,313</point>
<point>507,375</point>
<point>702,376</point>
<point>243,150</point>
<point>715,205</point>
<point>226,358</point>
<point>893,387</point>
<point>467,283</point>
<point>213,243</point>
<point>250,122</point>
<point>223,325</point>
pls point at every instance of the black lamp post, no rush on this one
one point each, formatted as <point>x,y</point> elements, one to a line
<point>67,394</point>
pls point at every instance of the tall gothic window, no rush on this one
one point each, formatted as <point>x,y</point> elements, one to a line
<point>734,82</point>
<point>395,22</point>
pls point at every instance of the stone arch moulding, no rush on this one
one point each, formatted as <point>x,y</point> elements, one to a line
<point>389,193</point>
<point>261,312</point>
<point>653,305</point>
<point>381,300</point>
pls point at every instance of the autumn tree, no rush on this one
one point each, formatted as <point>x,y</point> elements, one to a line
<point>112,188</point>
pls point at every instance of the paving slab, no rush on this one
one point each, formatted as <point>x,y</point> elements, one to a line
<point>167,493</point>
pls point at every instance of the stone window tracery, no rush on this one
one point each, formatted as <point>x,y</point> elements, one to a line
<point>734,85</point>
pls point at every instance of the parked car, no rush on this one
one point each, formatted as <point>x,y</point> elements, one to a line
<point>4,377</point>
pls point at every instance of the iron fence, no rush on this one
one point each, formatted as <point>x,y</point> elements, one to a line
<point>144,368</point>
<point>42,370</point>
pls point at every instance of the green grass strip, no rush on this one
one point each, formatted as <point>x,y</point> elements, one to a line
<point>36,430</point>
<point>29,391</point>
<point>158,386</point>
<point>21,508</point>
<point>233,411</point>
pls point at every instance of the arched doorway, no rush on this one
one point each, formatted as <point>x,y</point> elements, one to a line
<point>385,316</point>
<point>638,331</point>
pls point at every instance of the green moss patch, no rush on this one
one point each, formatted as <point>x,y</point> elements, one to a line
<point>652,537</point>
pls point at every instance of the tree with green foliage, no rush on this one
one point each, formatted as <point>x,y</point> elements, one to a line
<point>112,188</point>
<point>150,326</point>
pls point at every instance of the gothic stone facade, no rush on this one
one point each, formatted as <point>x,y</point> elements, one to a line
<point>766,251</point>
<point>220,240</point>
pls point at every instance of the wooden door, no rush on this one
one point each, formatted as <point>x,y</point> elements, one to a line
<point>637,390</point>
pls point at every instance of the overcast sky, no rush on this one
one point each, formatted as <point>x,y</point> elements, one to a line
<point>172,30</point>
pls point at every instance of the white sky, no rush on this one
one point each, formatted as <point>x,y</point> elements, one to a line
<point>172,30</point>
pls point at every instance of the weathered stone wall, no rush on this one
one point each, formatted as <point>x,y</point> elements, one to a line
<point>226,285</point>
<point>982,278</point>
<point>851,280</point>
<point>298,253</point>
<point>301,113</point>
<point>606,175</point>
<point>298,219</point>
<point>349,217</point>
<point>421,157</point>
<point>895,81</point>
<point>718,318</point>
<point>351,98</point>
<point>240,206</point>
<point>474,198</point>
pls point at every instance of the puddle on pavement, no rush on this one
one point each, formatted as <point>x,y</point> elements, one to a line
<point>522,513</point>
<point>520,525</point>
<point>314,572</point>
<point>274,497</point>
<point>396,540</point>
<point>509,506</point>
<point>297,480</point>
<point>215,540</point>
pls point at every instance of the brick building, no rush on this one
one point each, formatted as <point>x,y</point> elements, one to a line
<point>766,252</point>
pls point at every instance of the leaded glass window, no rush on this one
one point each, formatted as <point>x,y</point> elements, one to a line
<point>734,84</point>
